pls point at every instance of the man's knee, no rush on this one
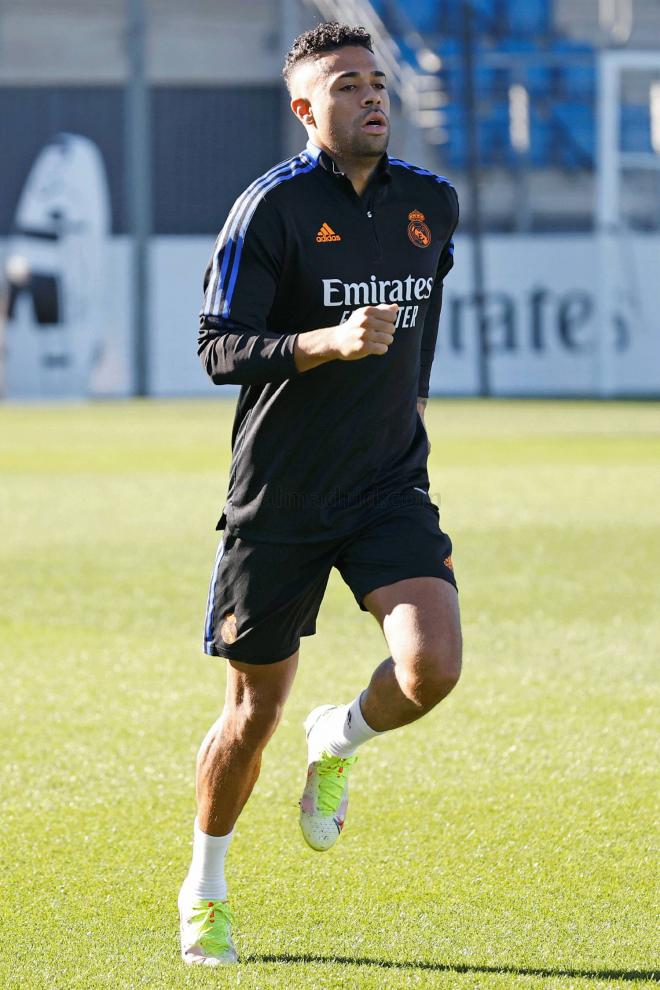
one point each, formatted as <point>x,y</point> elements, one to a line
<point>255,700</point>
<point>254,720</point>
<point>430,676</point>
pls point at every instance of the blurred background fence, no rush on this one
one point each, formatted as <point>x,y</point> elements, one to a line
<point>128,127</point>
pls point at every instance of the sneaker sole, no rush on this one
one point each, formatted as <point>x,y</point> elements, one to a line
<point>208,960</point>
<point>191,959</point>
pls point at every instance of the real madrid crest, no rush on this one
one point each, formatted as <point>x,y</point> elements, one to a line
<point>418,232</point>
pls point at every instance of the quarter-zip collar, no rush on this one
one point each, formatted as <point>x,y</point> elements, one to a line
<point>381,175</point>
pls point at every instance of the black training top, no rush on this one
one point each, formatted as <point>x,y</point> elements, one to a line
<point>316,454</point>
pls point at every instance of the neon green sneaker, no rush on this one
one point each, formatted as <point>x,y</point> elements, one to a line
<point>205,931</point>
<point>324,801</point>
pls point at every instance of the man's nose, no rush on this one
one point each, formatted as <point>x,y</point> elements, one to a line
<point>371,96</point>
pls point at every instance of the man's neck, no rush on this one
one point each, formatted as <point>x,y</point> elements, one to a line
<point>357,170</point>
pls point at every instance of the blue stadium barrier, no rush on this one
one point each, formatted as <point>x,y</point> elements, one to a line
<point>491,83</point>
<point>456,148</point>
<point>635,127</point>
<point>577,75</point>
<point>528,17</point>
<point>450,47</point>
<point>493,136</point>
<point>494,140</point>
<point>541,144</point>
<point>409,53</point>
<point>489,17</point>
<point>424,14</point>
<point>452,71</point>
<point>536,76</point>
<point>561,91</point>
<point>574,135</point>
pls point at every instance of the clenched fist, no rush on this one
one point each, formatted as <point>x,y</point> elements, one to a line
<point>368,330</point>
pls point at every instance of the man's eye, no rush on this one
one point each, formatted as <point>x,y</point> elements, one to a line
<point>379,85</point>
<point>349,86</point>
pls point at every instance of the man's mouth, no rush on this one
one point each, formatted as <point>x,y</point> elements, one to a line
<point>375,123</point>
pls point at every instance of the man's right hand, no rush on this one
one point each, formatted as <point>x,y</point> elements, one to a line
<point>368,330</point>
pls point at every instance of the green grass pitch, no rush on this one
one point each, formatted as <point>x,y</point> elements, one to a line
<point>505,841</point>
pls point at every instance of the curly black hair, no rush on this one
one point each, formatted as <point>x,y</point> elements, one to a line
<point>325,37</point>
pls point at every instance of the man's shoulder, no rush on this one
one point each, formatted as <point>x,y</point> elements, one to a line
<point>434,189</point>
<point>279,177</point>
<point>415,173</point>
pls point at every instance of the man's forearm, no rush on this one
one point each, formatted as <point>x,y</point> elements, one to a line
<point>233,356</point>
<point>313,348</point>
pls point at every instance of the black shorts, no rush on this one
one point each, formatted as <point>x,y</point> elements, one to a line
<point>264,596</point>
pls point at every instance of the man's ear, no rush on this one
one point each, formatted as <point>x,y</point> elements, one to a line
<point>301,108</point>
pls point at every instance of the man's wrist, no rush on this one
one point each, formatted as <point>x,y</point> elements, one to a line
<point>314,347</point>
<point>421,405</point>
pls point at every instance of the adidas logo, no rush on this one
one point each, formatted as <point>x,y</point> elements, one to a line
<point>326,234</point>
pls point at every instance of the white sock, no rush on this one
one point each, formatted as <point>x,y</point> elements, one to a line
<point>342,730</point>
<point>206,876</point>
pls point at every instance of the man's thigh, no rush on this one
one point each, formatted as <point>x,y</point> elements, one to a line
<point>400,569</point>
<point>420,619</point>
<point>260,686</point>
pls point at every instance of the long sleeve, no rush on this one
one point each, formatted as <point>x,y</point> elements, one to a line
<point>429,339</point>
<point>236,344</point>
<point>432,320</point>
<point>234,356</point>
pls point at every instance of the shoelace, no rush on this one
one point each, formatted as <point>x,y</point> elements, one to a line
<point>212,920</point>
<point>332,771</point>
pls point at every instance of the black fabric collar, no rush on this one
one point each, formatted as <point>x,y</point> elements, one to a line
<point>381,174</point>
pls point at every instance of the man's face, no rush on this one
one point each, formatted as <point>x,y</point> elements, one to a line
<point>344,96</point>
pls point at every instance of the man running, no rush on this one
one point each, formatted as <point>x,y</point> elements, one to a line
<point>322,300</point>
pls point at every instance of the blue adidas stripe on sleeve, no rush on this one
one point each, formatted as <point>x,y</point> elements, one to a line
<point>419,170</point>
<point>229,245</point>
